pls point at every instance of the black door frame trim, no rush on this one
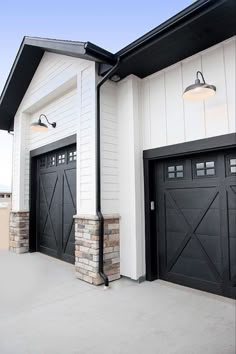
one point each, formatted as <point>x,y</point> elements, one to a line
<point>70,140</point>
<point>150,157</point>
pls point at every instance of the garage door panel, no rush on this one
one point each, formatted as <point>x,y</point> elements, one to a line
<point>174,240</point>
<point>192,198</point>
<point>68,234</point>
<point>231,199</point>
<point>70,247</point>
<point>212,246</point>
<point>210,224</point>
<point>174,221</point>
<point>48,184</point>
<point>193,253</point>
<point>190,215</point>
<point>47,241</point>
<point>232,258</point>
<point>57,204</point>
<point>195,283</point>
<point>196,223</point>
<point>195,269</point>
<point>70,186</point>
<point>69,210</point>
<point>232,226</point>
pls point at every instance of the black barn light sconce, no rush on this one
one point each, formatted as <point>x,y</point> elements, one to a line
<point>199,90</point>
<point>41,127</point>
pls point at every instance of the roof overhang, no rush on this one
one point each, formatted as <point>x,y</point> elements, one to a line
<point>200,26</point>
<point>26,63</point>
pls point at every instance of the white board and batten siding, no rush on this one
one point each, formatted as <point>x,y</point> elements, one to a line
<point>156,115</point>
<point>63,88</point>
<point>168,119</point>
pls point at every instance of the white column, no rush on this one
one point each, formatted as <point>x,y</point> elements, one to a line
<point>19,163</point>
<point>131,179</point>
<point>86,179</point>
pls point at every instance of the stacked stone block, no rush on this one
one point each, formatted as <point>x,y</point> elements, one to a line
<point>19,232</point>
<point>87,248</point>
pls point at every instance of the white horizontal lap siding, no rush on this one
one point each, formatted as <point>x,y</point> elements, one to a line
<point>168,119</point>
<point>16,164</point>
<point>109,149</point>
<point>62,111</point>
<point>53,91</point>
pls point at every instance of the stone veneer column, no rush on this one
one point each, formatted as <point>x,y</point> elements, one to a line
<point>19,232</point>
<point>87,248</point>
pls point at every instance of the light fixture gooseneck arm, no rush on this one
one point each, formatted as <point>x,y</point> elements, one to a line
<point>44,116</point>
<point>197,75</point>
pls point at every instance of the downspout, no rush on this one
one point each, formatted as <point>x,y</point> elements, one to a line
<point>98,174</point>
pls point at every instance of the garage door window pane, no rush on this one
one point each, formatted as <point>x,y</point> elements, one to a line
<point>232,166</point>
<point>61,159</point>
<point>179,175</point>
<point>233,169</point>
<point>210,164</point>
<point>200,165</point>
<point>205,168</point>
<point>176,171</point>
<point>200,173</point>
<point>51,161</point>
<point>72,156</point>
<point>43,162</point>
<point>210,171</point>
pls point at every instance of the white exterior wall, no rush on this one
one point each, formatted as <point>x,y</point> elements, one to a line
<point>109,149</point>
<point>131,178</point>
<point>152,113</point>
<point>168,119</point>
<point>63,88</point>
<point>136,115</point>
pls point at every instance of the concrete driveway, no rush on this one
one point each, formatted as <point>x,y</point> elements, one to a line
<point>45,310</point>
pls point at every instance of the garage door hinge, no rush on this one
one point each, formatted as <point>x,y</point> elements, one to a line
<point>152,205</point>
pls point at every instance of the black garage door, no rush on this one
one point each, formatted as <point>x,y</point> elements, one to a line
<point>56,203</point>
<point>196,221</point>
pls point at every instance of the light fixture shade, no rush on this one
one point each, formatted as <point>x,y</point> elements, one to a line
<point>39,127</point>
<point>199,90</point>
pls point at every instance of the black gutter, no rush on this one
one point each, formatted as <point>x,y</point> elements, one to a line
<point>99,53</point>
<point>98,174</point>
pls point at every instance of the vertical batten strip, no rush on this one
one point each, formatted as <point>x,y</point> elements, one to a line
<point>226,89</point>
<point>166,109</point>
<point>181,71</point>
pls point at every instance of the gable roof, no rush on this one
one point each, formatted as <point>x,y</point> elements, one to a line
<point>199,26</point>
<point>26,63</point>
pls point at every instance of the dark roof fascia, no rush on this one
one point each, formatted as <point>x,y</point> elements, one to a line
<point>76,49</point>
<point>12,70</point>
<point>32,50</point>
<point>103,55</point>
<point>196,8</point>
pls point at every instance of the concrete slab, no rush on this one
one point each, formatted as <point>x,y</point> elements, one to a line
<point>44,309</point>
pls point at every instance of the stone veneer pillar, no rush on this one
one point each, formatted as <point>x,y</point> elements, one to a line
<point>19,232</point>
<point>87,248</point>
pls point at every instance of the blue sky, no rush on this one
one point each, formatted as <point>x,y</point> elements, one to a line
<point>111,25</point>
